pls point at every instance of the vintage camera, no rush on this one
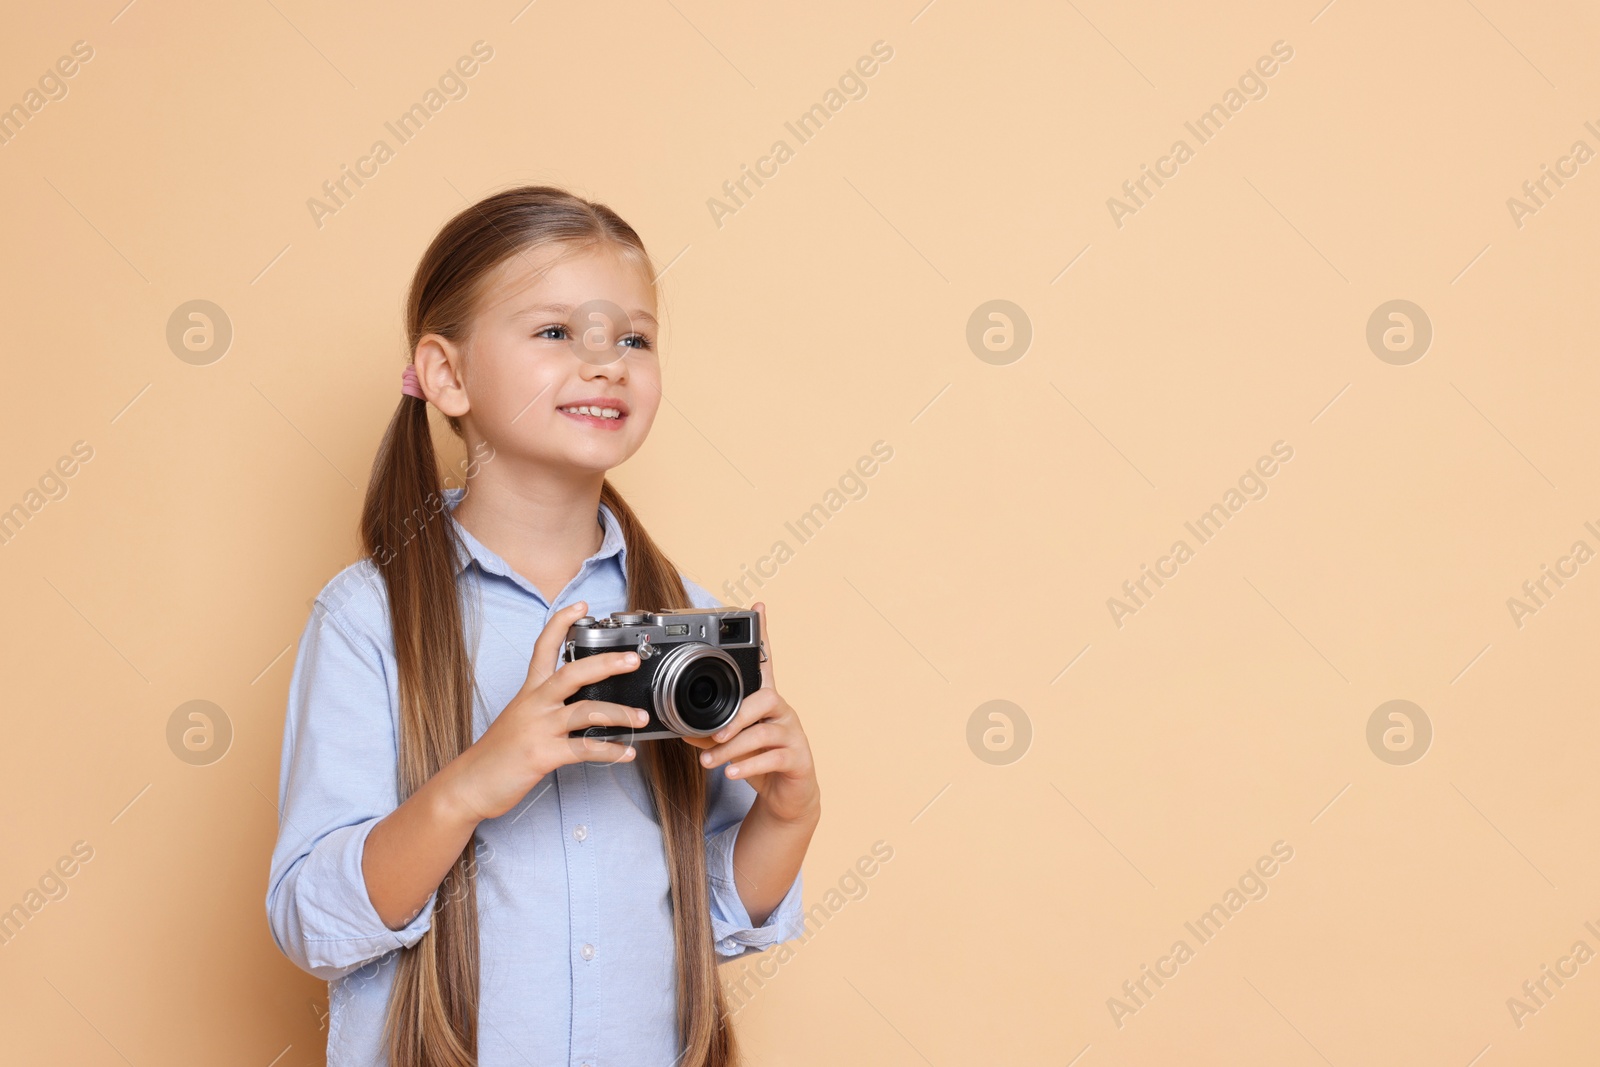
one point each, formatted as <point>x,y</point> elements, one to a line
<point>695,668</point>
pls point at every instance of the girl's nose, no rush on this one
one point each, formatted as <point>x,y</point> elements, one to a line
<point>610,362</point>
<point>600,326</point>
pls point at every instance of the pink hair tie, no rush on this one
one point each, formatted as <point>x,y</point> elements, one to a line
<point>408,382</point>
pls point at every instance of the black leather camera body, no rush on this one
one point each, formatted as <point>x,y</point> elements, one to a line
<point>695,668</point>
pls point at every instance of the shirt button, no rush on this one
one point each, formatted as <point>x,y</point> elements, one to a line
<point>580,832</point>
<point>588,952</point>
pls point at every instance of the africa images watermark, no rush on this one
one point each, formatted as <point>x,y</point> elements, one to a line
<point>1252,885</point>
<point>1536,992</point>
<point>52,87</point>
<point>1252,85</point>
<point>52,486</point>
<point>1252,485</point>
<point>433,506</point>
<point>851,86</point>
<point>1579,154</point>
<point>435,502</point>
<point>338,191</point>
<point>1531,601</point>
<point>52,886</point>
<point>852,485</point>
<point>482,854</point>
<point>850,886</point>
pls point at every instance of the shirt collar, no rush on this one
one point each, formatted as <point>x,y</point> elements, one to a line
<point>470,548</point>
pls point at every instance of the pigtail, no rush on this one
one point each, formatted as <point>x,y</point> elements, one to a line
<point>433,1012</point>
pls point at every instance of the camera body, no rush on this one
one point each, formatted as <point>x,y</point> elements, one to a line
<point>695,668</point>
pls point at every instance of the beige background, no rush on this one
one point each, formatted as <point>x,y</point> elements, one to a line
<point>831,311</point>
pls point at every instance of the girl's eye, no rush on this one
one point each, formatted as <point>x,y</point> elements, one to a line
<point>637,341</point>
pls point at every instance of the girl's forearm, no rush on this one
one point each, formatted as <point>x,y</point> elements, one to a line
<point>767,856</point>
<point>410,851</point>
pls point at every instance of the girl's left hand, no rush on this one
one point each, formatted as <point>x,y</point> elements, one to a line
<point>767,748</point>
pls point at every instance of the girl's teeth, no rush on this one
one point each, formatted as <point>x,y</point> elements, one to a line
<point>604,413</point>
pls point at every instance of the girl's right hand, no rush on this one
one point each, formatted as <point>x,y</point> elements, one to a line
<point>529,738</point>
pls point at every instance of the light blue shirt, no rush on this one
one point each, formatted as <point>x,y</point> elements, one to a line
<point>576,942</point>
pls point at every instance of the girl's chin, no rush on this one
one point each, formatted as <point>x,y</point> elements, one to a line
<point>597,457</point>
<point>566,444</point>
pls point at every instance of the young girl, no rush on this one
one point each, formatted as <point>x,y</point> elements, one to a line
<point>477,886</point>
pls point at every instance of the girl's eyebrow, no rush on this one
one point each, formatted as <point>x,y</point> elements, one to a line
<point>564,309</point>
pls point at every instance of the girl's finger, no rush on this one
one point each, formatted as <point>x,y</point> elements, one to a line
<point>581,672</point>
<point>547,647</point>
<point>586,713</point>
<point>773,759</point>
<point>753,739</point>
<point>753,708</point>
<point>589,750</point>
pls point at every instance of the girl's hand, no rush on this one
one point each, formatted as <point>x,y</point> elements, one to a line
<point>529,738</point>
<point>768,747</point>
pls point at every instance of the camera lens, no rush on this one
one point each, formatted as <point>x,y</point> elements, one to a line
<point>702,694</point>
<point>708,695</point>
<point>697,689</point>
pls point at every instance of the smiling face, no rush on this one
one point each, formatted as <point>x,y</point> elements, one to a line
<point>560,367</point>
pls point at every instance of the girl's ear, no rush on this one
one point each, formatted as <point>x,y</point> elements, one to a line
<point>439,366</point>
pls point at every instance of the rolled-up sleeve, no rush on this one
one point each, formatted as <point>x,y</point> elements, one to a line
<point>728,800</point>
<point>338,779</point>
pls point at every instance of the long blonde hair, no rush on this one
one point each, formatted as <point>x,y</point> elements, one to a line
<point>433,1010</point>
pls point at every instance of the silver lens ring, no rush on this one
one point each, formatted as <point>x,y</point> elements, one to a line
<point>672,670</point>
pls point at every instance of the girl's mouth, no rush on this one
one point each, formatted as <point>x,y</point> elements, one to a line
<point>593,415</point>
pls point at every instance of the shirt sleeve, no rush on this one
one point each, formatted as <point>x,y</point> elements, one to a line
<point>728,800</point>
<point>338,780</point>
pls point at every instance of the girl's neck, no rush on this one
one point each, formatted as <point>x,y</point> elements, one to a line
<point>543,528</point>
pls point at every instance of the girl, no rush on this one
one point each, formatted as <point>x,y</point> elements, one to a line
<point>477,886</point>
